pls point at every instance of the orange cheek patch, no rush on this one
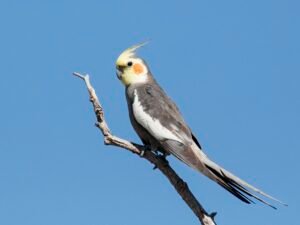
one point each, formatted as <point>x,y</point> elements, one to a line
<point>138,68</point>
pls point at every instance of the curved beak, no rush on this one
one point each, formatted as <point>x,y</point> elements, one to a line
<point>120,70</point>
<point>119,74</point>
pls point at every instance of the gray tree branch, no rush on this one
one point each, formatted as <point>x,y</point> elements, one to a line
<point>159,163</point>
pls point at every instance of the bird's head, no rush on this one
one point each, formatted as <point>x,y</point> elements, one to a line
<point>130,68</point>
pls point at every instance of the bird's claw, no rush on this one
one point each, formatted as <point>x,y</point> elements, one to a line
<point>162,157</point>
<point>142,153</point>
<point>146,148</point>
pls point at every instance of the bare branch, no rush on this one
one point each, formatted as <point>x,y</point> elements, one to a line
<point>163,165</point>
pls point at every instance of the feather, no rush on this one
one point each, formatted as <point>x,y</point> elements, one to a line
<point>236,186</point>
<point>131,52</point>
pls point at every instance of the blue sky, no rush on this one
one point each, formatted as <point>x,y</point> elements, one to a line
<point>233,67</point>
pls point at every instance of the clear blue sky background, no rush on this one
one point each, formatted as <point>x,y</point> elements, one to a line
<point>233,67</point>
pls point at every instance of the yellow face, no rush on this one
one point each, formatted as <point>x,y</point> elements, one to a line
<point>130,69</point>
<point>133,71</point>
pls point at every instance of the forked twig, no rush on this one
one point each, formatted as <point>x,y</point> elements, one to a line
<point>140,150</point>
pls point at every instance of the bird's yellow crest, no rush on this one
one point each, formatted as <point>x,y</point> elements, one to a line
<point>130,68</point>
<point>129,53</point>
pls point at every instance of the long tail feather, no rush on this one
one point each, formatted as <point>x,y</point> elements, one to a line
<point>236,186</point>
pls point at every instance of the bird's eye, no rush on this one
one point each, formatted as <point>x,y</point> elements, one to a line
<point>129,63</point>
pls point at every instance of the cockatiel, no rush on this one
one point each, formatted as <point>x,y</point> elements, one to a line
<point>158,122</point>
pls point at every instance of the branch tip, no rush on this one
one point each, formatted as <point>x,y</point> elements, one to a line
<point>79,75</point>
<point>213,215</point>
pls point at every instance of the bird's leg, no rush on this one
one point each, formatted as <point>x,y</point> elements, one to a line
<point>146,148</point>
<point>162,155</point>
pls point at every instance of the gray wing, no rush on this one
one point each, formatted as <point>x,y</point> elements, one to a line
<point>160,107</point>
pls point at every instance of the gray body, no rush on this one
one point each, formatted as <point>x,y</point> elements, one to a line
<point>158,105</point>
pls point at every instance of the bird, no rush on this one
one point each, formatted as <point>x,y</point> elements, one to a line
<point>161,127</point>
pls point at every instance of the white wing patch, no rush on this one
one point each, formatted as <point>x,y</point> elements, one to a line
<point>152,125</point>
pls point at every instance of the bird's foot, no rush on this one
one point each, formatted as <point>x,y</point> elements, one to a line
<point>161,156</point>
<point>146,148</point>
